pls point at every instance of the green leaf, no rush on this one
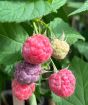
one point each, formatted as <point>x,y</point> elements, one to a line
<point>20,11</point>
<point>50,1</point>
<point>80,97</point>
<point>12,37</point>
<point>82,48</point>
<point>75,5</point>
<point>83,8</point>
<point>7,69</point>
<point>3,80</point>
<point>58,26</point>
<point>56,98</point>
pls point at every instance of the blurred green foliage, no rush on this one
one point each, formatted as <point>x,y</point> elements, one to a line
<point>54,17</point>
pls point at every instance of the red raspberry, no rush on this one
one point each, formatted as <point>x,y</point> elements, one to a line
<point>62,83</point>
<point>22,92</point>
<point>37,49</point>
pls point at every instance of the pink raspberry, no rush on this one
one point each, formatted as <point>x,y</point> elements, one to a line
<point>37,49</point>
<point>62,83</point>
<point>22,92</point>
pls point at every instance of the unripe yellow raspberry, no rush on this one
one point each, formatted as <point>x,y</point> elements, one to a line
<point>60,48</point>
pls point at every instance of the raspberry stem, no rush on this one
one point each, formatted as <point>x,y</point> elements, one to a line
<point>55,69</point>
<point>62,36</point>
<point>45,71</point>
<point>47,26</point>
<point>32,100</point>
<point>35,27</point>
<point>17,102</point>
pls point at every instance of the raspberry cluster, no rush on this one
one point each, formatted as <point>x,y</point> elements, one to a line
<point>36,50</point>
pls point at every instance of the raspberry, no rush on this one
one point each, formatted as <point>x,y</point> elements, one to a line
<point>37,49</point>
<point>62,83</point>
<point>27,73</point>
<point>60,48</point>
<point>22,92</point>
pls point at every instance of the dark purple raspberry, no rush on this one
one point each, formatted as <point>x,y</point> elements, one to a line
<point>27,73</point>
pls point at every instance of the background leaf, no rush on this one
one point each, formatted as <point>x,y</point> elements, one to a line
<point>12,37</point>
<point>19,11</point>
<point>82,47</point>
<point>56,98</point>
<point>58,26</point>
<point>83,8</point>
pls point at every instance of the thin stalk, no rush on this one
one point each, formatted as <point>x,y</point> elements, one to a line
<point>55,69</point>
<point>46,25</point>
<point>51,102</point>
<point>17,102</point>
<point>33,100</point>
<point>35,27</point>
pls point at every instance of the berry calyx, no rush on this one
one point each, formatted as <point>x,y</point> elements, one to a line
<point>22,92</point>
<point>62,83</point>
<point>60,48</point>
<point>37,49</point>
